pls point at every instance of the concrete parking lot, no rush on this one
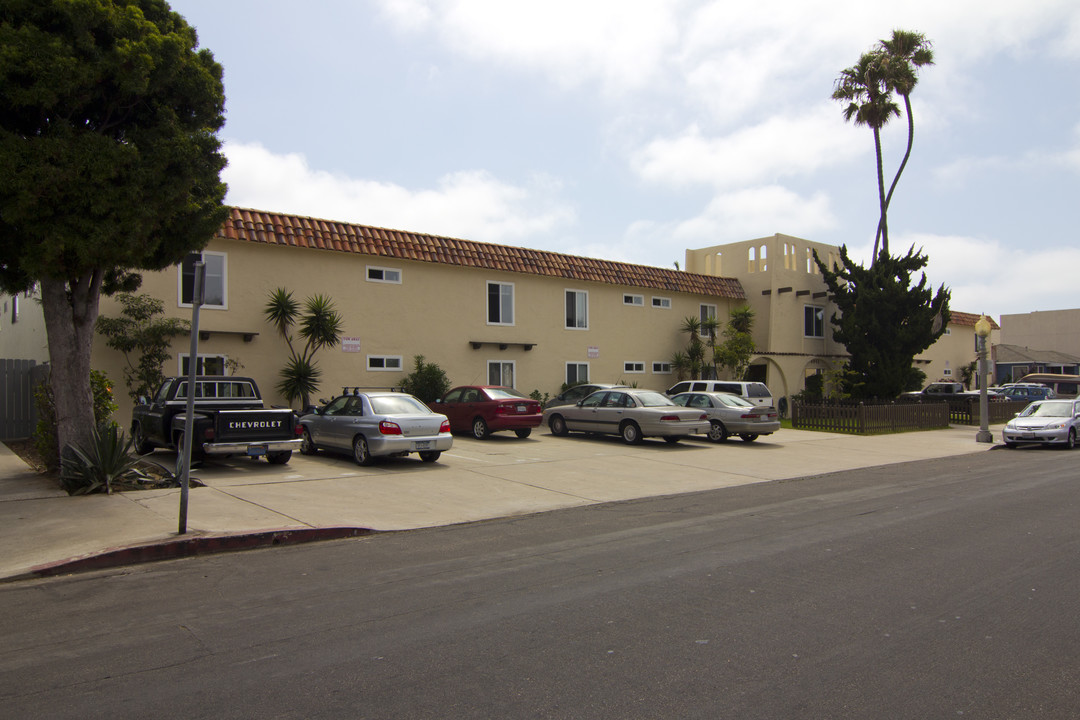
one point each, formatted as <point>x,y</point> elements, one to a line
<point>476,480</point>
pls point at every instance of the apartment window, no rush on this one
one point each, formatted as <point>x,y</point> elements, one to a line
<point>204,364</point>
<point>635,300</point>
<point>661,368</point>
<point>500,303</point>
<point>708,311</point>
<point>814,321</point>
<point>633,367</point>
<point>215,287</point>
<point>500,373</point>
<point>577,310</point>
<point>383,274</point>
<point>661,302</point>
<point>577,373</point>
<point>947,372</point>
<point>384,363</point>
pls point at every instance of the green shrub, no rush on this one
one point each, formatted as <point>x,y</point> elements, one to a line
<point>45,441</point>
<point>427,381</point>
<point>97,468</point>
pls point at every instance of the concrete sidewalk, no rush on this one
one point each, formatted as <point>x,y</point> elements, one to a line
<point>248,503</point>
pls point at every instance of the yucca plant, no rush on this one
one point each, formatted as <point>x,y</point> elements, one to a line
<point>97,467</point>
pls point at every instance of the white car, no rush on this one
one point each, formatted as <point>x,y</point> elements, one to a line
<point>630,413</point>
<point>1047,422</point>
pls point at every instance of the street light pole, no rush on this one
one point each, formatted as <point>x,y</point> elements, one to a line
<point>982,330</point>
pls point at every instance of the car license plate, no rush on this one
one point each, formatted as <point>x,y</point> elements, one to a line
<point>522,408</point>
<point>256,450</point>
<point>423,444</point>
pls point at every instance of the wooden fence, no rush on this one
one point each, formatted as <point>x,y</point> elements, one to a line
<point>18,413</point>
<point>890,417</point>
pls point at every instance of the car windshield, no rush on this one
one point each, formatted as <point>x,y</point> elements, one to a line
<point>503,394</point>
<point>1048,409</point>
<point>398,405</point>
<point>653,399</point>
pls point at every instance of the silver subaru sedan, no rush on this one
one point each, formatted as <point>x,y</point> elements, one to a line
<point>373,424</point>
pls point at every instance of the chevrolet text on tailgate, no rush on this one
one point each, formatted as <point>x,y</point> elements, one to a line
<point>228,418</point>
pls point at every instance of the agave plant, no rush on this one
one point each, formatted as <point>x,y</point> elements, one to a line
<point>97,467</point>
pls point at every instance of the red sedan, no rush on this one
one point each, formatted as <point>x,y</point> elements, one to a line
<point>484,409</point>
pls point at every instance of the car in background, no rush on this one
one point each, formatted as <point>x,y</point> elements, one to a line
<point>633,414</point>
<point>484,409</point>
<point>571,395</point>
<point>754,392</point>
<point>1028,393</point>
<point>731,415</point>
<point>1047,422</point>
<point>374,424</point>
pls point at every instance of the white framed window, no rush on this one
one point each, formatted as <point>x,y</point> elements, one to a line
<point>384,363</point>
<point>577,310</point>
<point>635,300</point>
<point>501,372</point>
<point>661,368</point>
<point>576,373</point>
<point>500,303</point>
<point>205,364</point>
<point>633,366</point>
<point>708,311</point>
<point>215,287</point>
<point>383,274</point>
<point>813,321</point>
<point>661,302</point>
<point>947,372</point>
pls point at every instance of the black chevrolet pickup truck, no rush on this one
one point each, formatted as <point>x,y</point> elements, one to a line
<point>228,418</point>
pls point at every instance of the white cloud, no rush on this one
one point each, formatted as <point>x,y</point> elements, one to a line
<point>778,147</point>
<point>469,204</point>
<point>987,276</point>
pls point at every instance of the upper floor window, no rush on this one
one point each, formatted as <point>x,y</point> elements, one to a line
<point>633,366</point>
<point>384,363</point>
<point>636,300</point>
<point>661,368</point>
<point>813,321</point>
<point>500,303</point>
<point>215,286</point>
<point>661,302</point>
<point>383,274</point>
<point>707,312</point>
<point>577,310</point>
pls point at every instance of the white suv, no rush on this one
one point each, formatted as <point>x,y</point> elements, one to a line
<point>754,392</point>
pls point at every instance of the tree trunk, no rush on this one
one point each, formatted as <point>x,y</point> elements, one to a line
<point>71,310</point>
<point>883,225</point>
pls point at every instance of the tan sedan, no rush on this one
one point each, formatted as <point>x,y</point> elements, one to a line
<point>632,414</point>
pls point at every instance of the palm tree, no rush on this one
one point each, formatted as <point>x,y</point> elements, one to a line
<point>868,94</point>
<point>906,52</point>
<point>695,349</point>
<point>320,326</point>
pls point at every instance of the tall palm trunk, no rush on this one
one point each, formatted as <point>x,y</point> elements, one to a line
<point>907,153</point>
<point>883,225</point>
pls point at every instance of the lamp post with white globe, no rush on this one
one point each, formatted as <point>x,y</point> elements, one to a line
<point>982,331</point>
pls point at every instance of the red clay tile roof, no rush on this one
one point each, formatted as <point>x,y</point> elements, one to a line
<point>969,320</point>
<point>278,229</point>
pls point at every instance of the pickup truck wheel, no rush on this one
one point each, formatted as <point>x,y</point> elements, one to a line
<point>196,456</point>
<point>142,443</point>
<point>430,456</point>
<point>360,451</point>
<point>279,458</point>
<point>307,445</point>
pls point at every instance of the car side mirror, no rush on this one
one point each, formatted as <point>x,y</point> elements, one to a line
<point>437,401</point>
<point>143,400</point>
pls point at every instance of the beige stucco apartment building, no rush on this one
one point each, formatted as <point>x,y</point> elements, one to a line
<point>792,332</point>
<point>486,313</point>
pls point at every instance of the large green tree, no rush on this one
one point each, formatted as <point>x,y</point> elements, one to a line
<point>108,122</point>
<point>867,90</point>
<point>883,321</point>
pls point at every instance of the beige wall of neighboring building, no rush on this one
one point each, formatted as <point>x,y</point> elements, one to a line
<point>436,310</point>
<point>1057,330</point>
<point>22,327</point>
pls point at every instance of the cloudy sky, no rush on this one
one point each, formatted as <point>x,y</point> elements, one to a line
<point>634,129</point>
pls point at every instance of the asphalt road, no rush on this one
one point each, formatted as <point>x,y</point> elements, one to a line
<point>939,589</point>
